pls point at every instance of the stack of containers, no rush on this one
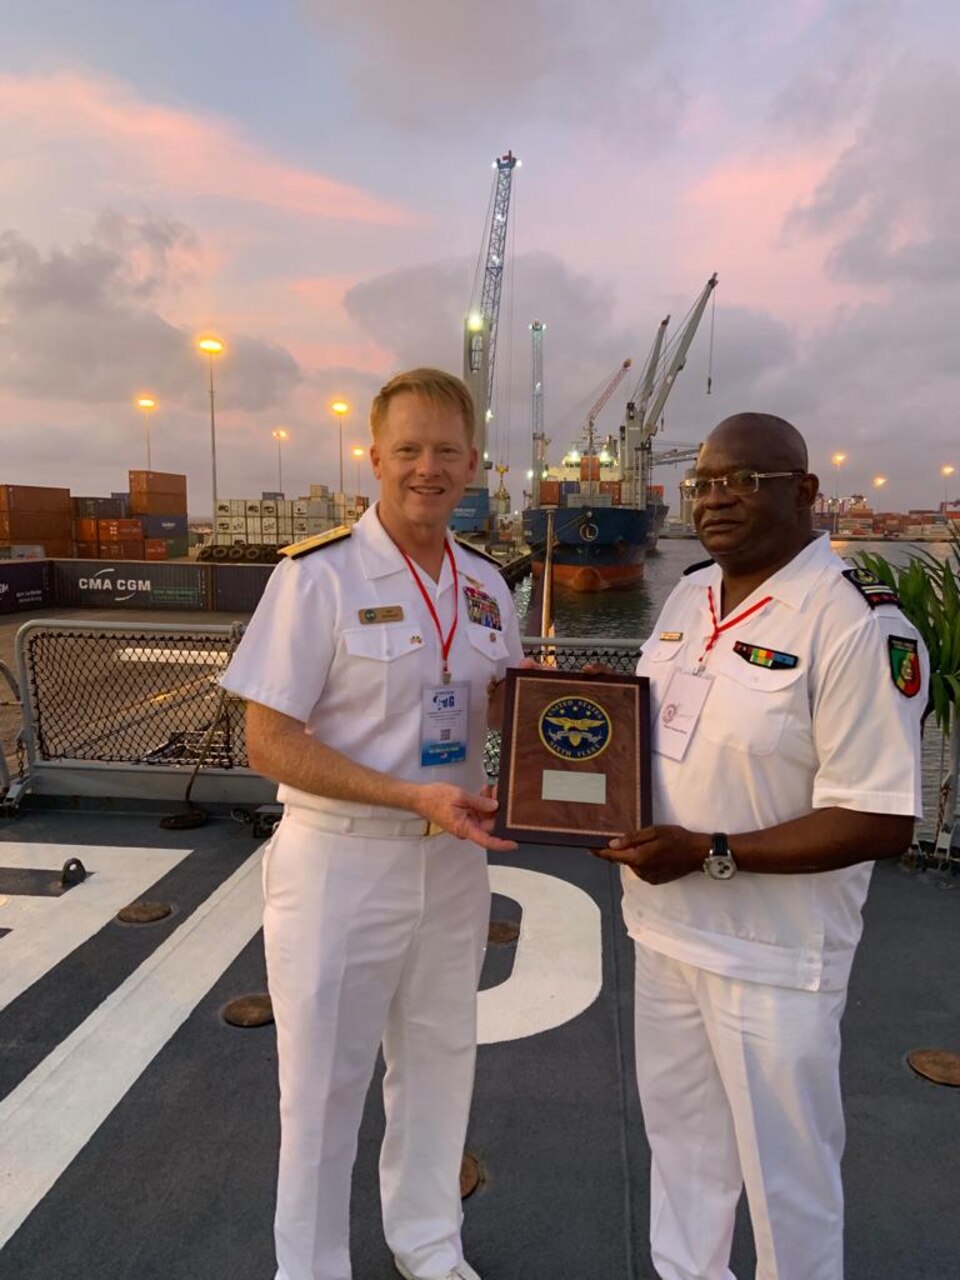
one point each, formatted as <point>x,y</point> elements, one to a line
<point>87,513</point>
<point>120,539</point>
<point>38,516</point>
<point>254,522</point>
<point>159,500</point>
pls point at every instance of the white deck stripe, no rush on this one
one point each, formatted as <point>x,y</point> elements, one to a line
<point>558,969</point>
<point>48,1119</point>
<point>45,930</point>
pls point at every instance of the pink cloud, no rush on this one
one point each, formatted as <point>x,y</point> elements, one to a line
<point>736,216</point>
<point>202,155</point>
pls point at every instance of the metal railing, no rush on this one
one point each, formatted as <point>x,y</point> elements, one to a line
<point>129,710</point>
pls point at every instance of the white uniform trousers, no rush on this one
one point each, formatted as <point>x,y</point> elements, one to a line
<point>369,939</point>
<point>739,1086</point>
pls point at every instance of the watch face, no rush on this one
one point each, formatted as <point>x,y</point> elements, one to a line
<point>720,867</point>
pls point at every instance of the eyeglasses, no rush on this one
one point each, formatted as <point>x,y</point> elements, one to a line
<point>736,482</point>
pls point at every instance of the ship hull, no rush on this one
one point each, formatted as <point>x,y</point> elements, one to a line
<point>595,548</point>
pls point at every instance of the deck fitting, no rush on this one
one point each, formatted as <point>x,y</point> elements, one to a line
<point>503,932</point>
<point>249,1011</point>
<point>471,1175</point>
<point>144,912</point>
<point>939,1065</point>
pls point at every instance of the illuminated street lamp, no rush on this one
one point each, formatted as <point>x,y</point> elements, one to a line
<point>341,409</point>
<point>147,404</point>
<point>946,471</point>
<point>879,482</point>
<point>358,452</point>
<point>210,347</point>
<point>838,459</point>
<point>280,434</point>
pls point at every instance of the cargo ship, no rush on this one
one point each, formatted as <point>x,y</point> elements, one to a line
<point>598,508</point>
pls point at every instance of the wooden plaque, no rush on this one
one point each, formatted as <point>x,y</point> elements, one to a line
<point>575,758</point>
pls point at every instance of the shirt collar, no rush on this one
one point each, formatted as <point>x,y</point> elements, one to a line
<point>380,555</point>
<point>792,584</point>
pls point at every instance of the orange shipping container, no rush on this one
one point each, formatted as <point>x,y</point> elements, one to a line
<point>158,504</point>
<point>35,526</point>
<point>154,549</point>
<point>33,497</point>
<point>132,550</point>
<point>550,493</point>
<point>655,492</point>
<point>58,548</point>
<point>86,529</point>
<point>88,550</point>
<point>157,482</point>
<point>613,488</point>
<point>119,530</point>
<point>590,468</point>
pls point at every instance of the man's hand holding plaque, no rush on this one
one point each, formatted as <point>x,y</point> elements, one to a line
<point>575,757</point>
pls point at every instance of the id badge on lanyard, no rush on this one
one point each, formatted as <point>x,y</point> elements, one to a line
<point>679,712</point>
<point>444,724</point>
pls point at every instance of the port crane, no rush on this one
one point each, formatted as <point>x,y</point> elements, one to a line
<point>644,409</point>
<point>480,326</point>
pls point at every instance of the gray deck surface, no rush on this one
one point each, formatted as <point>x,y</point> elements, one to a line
<point>177,1182</point>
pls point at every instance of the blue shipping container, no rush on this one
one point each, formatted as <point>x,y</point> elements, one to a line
<point>164,526</point>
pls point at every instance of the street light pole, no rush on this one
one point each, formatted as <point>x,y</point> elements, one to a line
<point>147,404</point>
<point>212,347</point>
<point>341,409</point>
<point>946,471</point>
<point>838,459</point>
<point>280,435</point>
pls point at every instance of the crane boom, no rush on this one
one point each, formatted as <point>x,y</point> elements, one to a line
<point>652,417</point>
<point>480,328</point>
<point>637,404</point>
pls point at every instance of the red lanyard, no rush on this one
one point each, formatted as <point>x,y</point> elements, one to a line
<point>719,628</point>
<point>444,644</point>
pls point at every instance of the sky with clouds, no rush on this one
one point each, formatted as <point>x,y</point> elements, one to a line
<point>309,179</point>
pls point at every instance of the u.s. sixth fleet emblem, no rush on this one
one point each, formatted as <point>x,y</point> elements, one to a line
<point>575,728</point>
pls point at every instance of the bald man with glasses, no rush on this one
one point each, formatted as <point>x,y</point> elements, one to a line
<point>787,691</point>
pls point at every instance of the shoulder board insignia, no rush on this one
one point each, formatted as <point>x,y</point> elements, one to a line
<point>871,588</point>
<point>308,545</point>
<point>758,656</point>
<point>692,568</point>
<point>477,551</point>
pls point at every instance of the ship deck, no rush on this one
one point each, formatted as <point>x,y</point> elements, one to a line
<point>139,1129</point>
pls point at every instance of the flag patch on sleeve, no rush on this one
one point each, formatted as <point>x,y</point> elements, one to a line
<point>904,664</point>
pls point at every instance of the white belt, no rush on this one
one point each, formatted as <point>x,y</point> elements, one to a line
<point>385,828</point>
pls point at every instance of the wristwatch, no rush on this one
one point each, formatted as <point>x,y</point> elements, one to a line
<point>720,863</point>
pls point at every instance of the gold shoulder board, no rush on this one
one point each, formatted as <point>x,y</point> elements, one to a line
<point>297,549</point>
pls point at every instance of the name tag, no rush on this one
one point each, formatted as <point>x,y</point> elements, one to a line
<point>444,725</point>
<point>679,713</point>
<point>386,613</point>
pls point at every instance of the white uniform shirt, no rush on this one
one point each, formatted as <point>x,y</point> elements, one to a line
<point>770,745</point>
<point>358,685</point>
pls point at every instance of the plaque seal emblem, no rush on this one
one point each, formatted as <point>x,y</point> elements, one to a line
<point>575,728</point>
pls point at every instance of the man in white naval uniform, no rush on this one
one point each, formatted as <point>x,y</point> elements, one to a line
<point>368,667</point>
<point>787,694</point>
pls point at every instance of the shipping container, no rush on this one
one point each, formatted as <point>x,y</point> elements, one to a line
<point>237,588</point>
<point>85,529</point>
<point>550,493</point>
<point>128,549</point>
<point>319,491</point>
<point>26,584</point>
<point>120,530</point>
<point>272,495</point>
<point>612,487</point>
<point>165,526</point>
<point>59,548</point>
<point>158,482</point>
<point>269,524</point>
<point>158,504</point>
<point>590,468</point>
<point>99,508</point>
<point>88,550</point>
<point>655,492</point>
<point>154,549</point>
<point>268,509</point>
<point>253,507</point>
<point>35,526</point>
<point>34,498</point>
<point>223,507</point>
<point>22,551</point>
<point>95,584</point>
<point>177,548</point>
<point>238,524</point>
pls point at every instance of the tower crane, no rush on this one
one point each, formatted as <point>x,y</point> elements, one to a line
<point>595,408</point>
<point>643,413</point>
<point>480,326</point>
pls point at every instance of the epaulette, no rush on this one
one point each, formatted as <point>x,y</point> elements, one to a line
<point>477,551</point>
<point>873,590</point>
<point>701,564</point>
<point>314,543</point>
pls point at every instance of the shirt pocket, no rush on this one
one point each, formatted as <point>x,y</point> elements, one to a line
<point>658,663</point>
<point>489,646</point>
<point>749,706</point>
<point>384,664</point>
